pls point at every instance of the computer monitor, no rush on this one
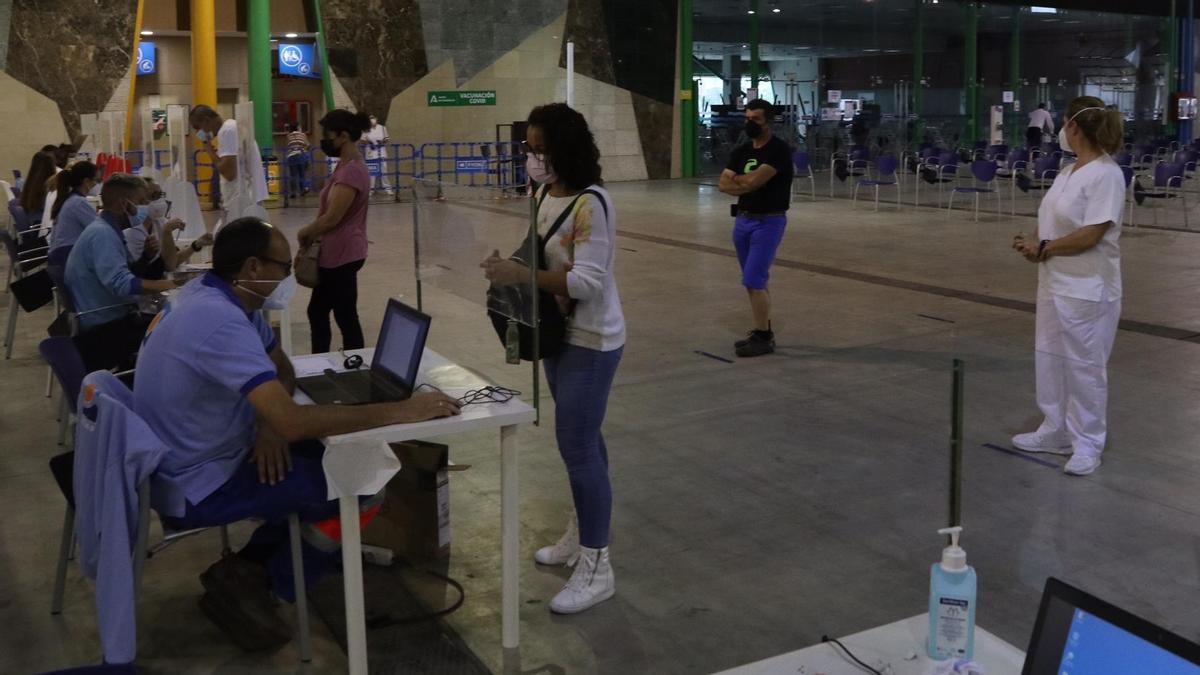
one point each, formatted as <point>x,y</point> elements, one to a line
<point>401,343</point>
<point>1079,634</point>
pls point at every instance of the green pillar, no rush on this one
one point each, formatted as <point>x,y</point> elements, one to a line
<point>326,70</point>
<point>918,89</point>
<point>1014,74</point>
<point>687,100</point>
<point>695,138</point>
<point>258,32</point>
<point>971,70</point>
<point>754,39</point>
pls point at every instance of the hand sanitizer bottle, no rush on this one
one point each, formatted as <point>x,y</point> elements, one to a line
<point>952,586</point>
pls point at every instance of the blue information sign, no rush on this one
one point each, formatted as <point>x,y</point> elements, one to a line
<point>471,166</point>
<point>147,58</point>
<point>297,60</point>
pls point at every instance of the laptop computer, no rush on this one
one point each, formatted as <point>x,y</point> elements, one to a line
<point>1080,634</point>
<point>393,372</point>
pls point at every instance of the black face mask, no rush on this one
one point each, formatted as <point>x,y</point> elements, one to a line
<point>753,129</point>
<point>329,148</point>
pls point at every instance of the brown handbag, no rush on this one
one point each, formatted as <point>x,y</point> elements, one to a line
<point>307,274</point>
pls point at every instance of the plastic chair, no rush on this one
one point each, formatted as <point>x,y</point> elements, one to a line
<point>984,173</point>
<point>803,166</point>
<point>885,177</point>
<point>857,162</point>
<point>1168,184</point>
<point>20,264</point>
<point>1130,178</point>
<point>946,167</point>
<point>65,362</point>
<point>143,550</point>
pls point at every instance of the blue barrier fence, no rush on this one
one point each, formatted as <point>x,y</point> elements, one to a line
<point>468,163</point>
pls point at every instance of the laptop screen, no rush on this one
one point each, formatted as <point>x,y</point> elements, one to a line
<point>401,343</point>
<point>1077,634</point>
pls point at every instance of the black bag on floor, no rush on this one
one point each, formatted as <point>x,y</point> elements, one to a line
<point>505,301</point>
<point>33,291</point>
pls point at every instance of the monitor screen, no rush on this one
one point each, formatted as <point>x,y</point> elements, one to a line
<point>401,342</point>
<point>1094,645</point>
<point>1079,634</point>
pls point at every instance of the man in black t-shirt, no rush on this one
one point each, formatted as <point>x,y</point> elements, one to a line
<point>759,174</point>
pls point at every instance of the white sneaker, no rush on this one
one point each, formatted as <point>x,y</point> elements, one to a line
<point>591,584</point>
<point>1081,465</point>
<point>1035,442</point>
<point>566,551</point>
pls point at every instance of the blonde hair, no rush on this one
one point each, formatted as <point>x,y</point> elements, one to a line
<point>1102,127</point>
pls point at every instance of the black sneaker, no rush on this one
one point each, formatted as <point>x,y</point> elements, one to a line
<point>750,336</point>
<point>1023,182</point>
<point>238,600</point>
<point>760,343</point>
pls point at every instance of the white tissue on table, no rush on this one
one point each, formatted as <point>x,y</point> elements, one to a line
<point>957,667</point>
<point>358,467</point>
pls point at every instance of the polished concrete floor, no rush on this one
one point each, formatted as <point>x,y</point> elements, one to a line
<point>758,504</point>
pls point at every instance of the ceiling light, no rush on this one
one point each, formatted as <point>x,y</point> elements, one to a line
<point>291,35</point>
<point>744,46</point>
<point>776,10</point>
<point>749,11</point>
<point>1043,10</point>
<point>147,32</point>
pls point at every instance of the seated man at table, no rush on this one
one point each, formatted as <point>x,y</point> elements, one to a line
<point>221,401</point>
<point>102,283</point>
<point>153,244</point>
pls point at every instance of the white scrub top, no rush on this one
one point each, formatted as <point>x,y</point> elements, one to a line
<point>1093,195</point>
<point>249,166</point>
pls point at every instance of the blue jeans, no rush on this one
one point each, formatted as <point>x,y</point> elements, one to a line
<point>302,492</point>
<point>297,174</point>
<point>580,380</point>
<point>756,241</point>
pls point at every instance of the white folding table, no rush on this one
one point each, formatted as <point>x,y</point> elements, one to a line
<point>897,648</point>
<point>454,380</point>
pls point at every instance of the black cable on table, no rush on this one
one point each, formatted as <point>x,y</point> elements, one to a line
<point>827,639</point>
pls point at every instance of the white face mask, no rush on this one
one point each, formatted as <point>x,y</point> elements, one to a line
<point>539,170</point>
<point>204,136</point>
<point>279,298</point>
<point>158,208</point>
<point>1062,133</point>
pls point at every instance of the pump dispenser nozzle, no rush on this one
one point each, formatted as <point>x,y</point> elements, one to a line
<point>954,558</point>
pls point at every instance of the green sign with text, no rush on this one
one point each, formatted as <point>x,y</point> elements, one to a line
<point>438,99</point>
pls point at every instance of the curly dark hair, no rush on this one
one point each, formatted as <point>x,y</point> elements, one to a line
<point>569,143</point>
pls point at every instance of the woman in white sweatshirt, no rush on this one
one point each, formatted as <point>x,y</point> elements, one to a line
<point>564,160</point>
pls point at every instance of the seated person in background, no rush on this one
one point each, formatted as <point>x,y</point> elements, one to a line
<point>71,211</point>
<point>221,401</point>
<point>33,202</point>
<point>153,244</point>
<point>103,287</point>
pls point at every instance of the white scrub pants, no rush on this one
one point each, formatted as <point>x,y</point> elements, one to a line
<point>381,180</point>
<point>1074,340</point>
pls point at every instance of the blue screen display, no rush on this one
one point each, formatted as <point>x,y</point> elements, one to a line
<point>1096,647</point>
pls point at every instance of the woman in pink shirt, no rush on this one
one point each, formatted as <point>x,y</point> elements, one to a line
<point>341,227</point>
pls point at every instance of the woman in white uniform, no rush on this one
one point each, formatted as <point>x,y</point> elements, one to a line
<point>1079,288</point>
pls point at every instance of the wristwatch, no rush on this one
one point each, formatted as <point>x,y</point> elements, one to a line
<point>1042,249</point>
<point>197,250</point>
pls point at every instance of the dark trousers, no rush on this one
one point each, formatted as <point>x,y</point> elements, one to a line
<point>114,344</point>
<point>336,291</point>
<point>297,171</point>
<point>303,492</point>
<point>1033,137</point>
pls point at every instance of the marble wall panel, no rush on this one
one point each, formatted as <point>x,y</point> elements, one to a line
<point>474,34</point>
<point>73,51</point>
<point>387,39</point>
<point>631,44</point>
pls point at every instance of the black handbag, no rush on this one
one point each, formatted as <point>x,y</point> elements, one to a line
<point>504,302</point>
<point>33,291</point>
